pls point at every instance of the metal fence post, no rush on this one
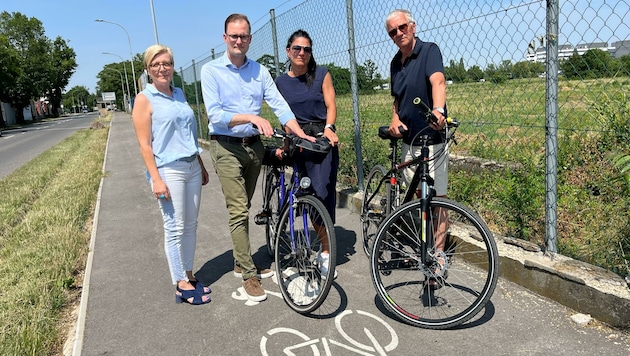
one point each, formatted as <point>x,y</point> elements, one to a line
<point>274,39</point>
<point>551,175</point>
<point>355,93</point>
<point>197,98</point>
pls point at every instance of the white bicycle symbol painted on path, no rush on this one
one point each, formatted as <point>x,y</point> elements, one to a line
<point>276,339</point>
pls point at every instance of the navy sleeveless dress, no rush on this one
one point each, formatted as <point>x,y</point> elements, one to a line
<point>307,103</point>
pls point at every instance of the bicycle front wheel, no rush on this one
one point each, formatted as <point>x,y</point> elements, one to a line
<point>376,197</point>
<point>425,286</point>
<point>305,234</point>
<point>271,205</point>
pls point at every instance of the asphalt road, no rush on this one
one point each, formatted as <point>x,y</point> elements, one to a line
<point>20,145</point>
<point>128,303</point>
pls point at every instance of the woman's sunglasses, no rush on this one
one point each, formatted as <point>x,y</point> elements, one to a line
<point>297,49</point>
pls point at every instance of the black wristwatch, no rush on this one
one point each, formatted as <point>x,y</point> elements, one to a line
<point>330,126</point>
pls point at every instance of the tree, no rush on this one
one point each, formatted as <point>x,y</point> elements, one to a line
<point>9,71</point>
<point>26,36</point>
<point>77,95</point>
<point>109,80</point>
<point>593,64</point>
<point>269,62</point>
<point>456,71</point>
<point>40,67</point>
<point>368,77</point>
<point>527,69</point>
<point>63,62</point>
<point>340,77</point>
<point>475,73</point>
<point>624,61</point>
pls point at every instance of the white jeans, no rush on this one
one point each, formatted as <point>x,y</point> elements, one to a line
<point>180,213</point>
<point>438,168</point>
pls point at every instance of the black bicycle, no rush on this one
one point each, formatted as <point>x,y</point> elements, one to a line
<point>298,228</point>
<point>433,261</point>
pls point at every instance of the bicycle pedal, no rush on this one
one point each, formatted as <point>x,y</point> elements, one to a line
<point>374,214</point>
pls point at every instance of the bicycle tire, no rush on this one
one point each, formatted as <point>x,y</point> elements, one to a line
<point>412,290</point>
<point>374,206</point>
<point>271,202</point>
<point>301,283</point>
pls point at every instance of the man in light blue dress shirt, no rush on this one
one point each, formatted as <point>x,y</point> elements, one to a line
<point>234,88</point>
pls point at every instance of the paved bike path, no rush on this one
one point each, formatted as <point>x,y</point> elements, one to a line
<point>129,309</point>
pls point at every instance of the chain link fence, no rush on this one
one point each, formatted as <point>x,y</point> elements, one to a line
<point>540,89</point>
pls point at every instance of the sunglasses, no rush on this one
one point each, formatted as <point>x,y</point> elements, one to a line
<point>402,28</point>
<point>297,49</point>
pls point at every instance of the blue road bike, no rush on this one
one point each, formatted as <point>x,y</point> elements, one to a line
<point>298,228</point>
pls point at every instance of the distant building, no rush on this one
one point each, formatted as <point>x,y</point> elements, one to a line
<point>617,49</point>
<point>621,48</point>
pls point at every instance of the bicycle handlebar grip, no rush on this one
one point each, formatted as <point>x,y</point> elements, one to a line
<point>429,113</point>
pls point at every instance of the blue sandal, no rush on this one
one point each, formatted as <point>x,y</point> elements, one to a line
<point>182,296</point>
<point>199,287</point>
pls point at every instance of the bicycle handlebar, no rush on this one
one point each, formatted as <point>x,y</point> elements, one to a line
<point>429,115</point>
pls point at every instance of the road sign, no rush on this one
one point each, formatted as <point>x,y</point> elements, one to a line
<point>109,96</point>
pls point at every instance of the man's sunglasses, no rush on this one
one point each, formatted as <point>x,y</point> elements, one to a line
<point>402,28</point>
<point>297,49</point>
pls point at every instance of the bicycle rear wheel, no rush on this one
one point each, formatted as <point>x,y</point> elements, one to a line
<point>425,293</point>
<point>271,205</point>
<point>376,196</point>
<point>304,232</point>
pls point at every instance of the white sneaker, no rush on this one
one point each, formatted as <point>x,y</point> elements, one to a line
<point>323,261</point>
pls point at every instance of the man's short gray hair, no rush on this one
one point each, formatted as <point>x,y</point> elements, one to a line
<point>397,12</point>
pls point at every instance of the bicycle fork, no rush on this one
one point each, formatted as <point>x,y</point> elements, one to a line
<point>292,216</point>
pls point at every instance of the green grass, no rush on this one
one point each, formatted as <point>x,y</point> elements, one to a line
<point>45,218</point>
<point>506,123</point>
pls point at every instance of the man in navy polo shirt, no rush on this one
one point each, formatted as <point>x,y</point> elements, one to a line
<point>417,71</point>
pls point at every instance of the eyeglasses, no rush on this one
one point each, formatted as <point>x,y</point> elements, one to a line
<point>402,28</point>
<point>297,49</point>
<point>165,65</point>
<point>244,38</point>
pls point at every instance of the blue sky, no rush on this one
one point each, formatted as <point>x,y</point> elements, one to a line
<point>191,28</point>
<point>480,33</point>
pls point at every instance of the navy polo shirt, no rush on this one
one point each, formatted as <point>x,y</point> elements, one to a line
<point>411,80</point>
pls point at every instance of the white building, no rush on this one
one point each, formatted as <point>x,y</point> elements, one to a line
<point>566,51</point>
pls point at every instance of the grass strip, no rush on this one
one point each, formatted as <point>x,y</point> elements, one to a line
<point>45,225</point>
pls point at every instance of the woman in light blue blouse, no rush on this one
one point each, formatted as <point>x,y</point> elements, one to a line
<point>167,134</point>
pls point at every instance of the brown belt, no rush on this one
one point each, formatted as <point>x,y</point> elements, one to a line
<point>237,140</point>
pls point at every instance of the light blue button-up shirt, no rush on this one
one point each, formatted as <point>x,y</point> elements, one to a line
<point>173,126</point>
<point>228,90</point>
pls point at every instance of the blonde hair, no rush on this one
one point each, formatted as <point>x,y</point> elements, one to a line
<point>154,51</point>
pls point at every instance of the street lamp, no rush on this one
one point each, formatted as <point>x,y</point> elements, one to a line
<point>154,25</point>
<point>133,70</point>
<point>121,86</point>
<point>125,67</point>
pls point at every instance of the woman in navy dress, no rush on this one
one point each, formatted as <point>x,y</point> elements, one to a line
<point>310,93</point>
